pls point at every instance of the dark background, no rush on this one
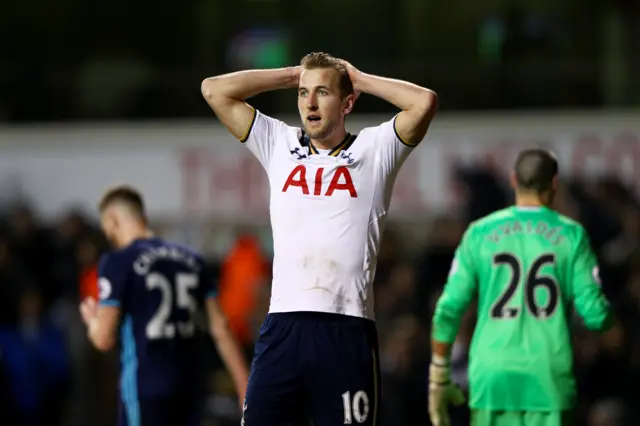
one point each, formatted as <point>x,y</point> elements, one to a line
<point>71,59</point>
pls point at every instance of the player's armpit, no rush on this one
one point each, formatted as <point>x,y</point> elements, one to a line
<point>103,329</point>
<point>228,346</point>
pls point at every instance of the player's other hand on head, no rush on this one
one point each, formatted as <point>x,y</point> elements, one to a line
<point>88,309</point>
<point>295,76</point>
<point>354,75</point>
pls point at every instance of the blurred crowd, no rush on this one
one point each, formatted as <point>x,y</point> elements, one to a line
<point>50,375</point>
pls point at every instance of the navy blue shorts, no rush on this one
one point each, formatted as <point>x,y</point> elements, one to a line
<point>314,366</point>
<point>178,410</point>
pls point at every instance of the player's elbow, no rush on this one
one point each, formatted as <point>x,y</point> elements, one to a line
<point>428,105</point>
<point>208,89</point>
<point>213,91</point>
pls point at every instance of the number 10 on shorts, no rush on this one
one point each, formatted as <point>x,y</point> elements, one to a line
<point>356,408</point>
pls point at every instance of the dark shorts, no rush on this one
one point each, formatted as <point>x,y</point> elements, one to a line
<point>174,410</point>
<point>314,366</point>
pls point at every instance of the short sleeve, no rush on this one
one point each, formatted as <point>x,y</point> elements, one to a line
<point>261,136</point>
<point>392,149</point>
<point>111,280</point>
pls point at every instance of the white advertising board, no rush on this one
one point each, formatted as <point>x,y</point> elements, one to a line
<point>196,168</point>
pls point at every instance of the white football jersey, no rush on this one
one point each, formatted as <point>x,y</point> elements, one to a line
<point>328,212</point>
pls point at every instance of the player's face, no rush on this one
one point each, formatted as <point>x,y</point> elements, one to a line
<point>109,226</point>
<point>321,105</point>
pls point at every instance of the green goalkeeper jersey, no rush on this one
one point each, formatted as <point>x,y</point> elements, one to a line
<point>529,268</point>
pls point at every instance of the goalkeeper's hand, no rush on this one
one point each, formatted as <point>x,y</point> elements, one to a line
<point>442,391</point>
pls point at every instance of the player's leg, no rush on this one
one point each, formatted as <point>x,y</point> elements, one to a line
<point>344,383</point>
<point>275,395</point>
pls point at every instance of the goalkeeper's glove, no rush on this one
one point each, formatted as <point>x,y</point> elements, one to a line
<point>442,391</point>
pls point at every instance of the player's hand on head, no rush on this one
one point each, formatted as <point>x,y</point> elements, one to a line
<point>354,75</point>
<point>294,77</point>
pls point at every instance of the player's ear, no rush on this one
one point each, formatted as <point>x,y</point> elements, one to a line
<point>513,181</point>
<point>554,183</point>
<point>348,103</point>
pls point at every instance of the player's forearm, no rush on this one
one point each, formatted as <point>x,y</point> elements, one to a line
<point>231,355</point>
<point>446,320</point>
<point>404,95</point>
<point>245,84</point>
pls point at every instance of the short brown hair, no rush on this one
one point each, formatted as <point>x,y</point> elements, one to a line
<point>535,170</point>
<point>317,60</point>
<point>124,194</point>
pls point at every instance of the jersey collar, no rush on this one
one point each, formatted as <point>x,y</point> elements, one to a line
<point>342,146</point>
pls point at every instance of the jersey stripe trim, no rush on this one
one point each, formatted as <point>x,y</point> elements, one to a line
<point>400,138</point>
<point>114,303</point>
<point>211,293</point>
<point>347,145</point>
<point>244,138</point>
<point>341,146</point>
<point>312,148</point>
<point>129,382</point>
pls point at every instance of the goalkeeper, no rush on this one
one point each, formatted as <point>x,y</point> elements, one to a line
<point>528,266</point>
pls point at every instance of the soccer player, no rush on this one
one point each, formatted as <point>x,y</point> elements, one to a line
<point>151,289</point>
<point>529,266</point>
<point>317,353</point>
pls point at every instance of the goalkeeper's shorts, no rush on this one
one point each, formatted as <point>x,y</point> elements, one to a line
<point>520,418</point>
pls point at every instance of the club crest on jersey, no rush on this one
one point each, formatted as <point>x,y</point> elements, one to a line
<point>454,267</point>
<point>298,153</point>
<point>347,156</point>
<point>595,273</point>
<point>104,288</point>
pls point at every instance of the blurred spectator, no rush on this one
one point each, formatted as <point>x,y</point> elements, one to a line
<point>403,354</point>
<point>244,271</point>
<point>13,277</point>
<point>32,244</point>
<point>35,357</point>
<point>88,254</point>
